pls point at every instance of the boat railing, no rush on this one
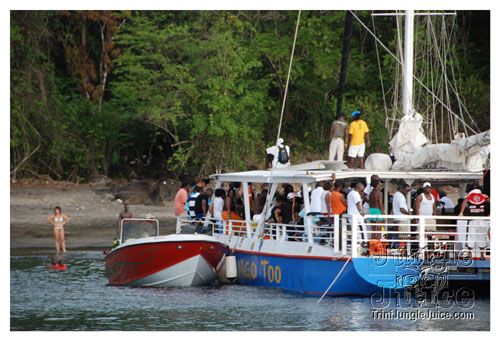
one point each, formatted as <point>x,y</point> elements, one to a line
<point>185,225</point>
<point>421,237</point>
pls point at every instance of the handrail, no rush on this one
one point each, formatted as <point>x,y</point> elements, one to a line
<point>343,239</point>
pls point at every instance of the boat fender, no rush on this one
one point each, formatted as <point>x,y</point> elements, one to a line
<point>231,270</point>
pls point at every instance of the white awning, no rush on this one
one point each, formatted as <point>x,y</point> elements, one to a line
<point>290,176</point>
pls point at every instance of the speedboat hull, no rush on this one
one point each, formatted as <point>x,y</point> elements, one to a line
<point>166,261</point>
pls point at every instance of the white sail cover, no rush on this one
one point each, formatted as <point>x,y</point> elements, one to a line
<point>410,136</point>
<point>467,154</point>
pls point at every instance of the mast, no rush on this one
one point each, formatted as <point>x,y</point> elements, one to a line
<point>408,63</point>
<point>345,56</point>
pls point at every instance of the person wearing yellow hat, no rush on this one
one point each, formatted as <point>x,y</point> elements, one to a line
<point>358,133</point>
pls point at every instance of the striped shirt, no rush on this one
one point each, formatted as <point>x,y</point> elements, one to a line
<point>191,204</point>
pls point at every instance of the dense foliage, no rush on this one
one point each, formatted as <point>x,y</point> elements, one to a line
<point>196,92</point>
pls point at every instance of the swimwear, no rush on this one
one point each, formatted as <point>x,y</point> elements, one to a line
<point>58,220</point>
<point>374,211</point>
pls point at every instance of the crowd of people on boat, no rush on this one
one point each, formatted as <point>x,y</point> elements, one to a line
<point>327,199</point>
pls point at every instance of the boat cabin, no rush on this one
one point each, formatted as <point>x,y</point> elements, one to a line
<point>419,237</point>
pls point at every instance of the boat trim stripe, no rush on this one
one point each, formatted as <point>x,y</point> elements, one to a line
<point>166,241</point>
<point>288,256</point>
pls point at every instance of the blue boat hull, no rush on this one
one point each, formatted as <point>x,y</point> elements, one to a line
<point>314,275</point>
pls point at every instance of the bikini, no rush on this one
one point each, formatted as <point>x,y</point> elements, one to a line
<point>58,220</point>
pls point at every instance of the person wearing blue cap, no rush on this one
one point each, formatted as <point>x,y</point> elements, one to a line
<point>358,133</point>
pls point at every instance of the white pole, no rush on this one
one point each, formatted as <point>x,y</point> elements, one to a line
<point>408,64</point>
<point>421,236</point>
<point>307,218</point>
<point>246,204</point>
<point>386,196</point>
<point>354,236</point>
<point>336,233</point>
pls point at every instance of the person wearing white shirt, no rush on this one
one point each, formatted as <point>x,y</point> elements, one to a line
<point>315,207</point>
<point>425,204</point>
<point>217,207</point>
<point>354,208</point>
<point>272,155</point>
<point>400,208</point>
<point>446,203</point>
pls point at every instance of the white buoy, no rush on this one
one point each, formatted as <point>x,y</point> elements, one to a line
<point>231,270</point>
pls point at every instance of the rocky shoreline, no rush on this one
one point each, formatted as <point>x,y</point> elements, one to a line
<point>92,208</point>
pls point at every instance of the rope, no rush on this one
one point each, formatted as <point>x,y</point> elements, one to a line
<point>270,194</point>
<point>288,77</point>
<point>414,77</point>
<point>347,261</point>
<point>380,75</point>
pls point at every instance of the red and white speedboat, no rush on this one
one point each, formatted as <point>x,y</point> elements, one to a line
<point>143,258</point>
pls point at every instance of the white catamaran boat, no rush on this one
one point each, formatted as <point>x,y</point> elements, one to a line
<point>355,255</point>
<point>330,259</point>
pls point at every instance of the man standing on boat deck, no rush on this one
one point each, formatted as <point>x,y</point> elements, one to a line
<point>354,208</point>
<point>376,203</point>
<point>358,133</point>
<point>338,134</point>
<point>374,179</point>
<point>478,229</point>
<point>278,156</point>
<point>192,201</point>
<point>315,208</point>
<point>201,204</point>
<point>400,208</point>
<point>425,204</point>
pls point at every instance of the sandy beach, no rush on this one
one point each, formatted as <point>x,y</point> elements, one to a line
<point>94,217</point>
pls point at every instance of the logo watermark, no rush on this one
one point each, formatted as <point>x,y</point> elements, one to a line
<point>414,315</point>
<point>428,293</point>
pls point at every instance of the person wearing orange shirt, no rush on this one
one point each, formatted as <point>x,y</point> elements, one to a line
<point>358,133</point>
<point>339,202</point>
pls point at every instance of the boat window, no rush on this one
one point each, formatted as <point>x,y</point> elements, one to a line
<point>134,229</point>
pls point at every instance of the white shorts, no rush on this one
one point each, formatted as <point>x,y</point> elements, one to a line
<point>356,150</point>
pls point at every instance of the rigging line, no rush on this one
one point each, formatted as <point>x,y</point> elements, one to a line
<point>453,88</point>
<point>380,73</point>
<point>442,62</point>
<point>414,77</point>
<point>271,192</point>
<point>288,77</point>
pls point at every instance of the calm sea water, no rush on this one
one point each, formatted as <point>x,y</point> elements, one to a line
<point>79,299</point>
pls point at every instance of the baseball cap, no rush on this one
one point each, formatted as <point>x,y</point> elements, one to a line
<point>290,195</point>
<point>354,113</point>
<point>426,184</point>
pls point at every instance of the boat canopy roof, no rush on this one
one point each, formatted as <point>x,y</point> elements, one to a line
<point>311,176</point>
